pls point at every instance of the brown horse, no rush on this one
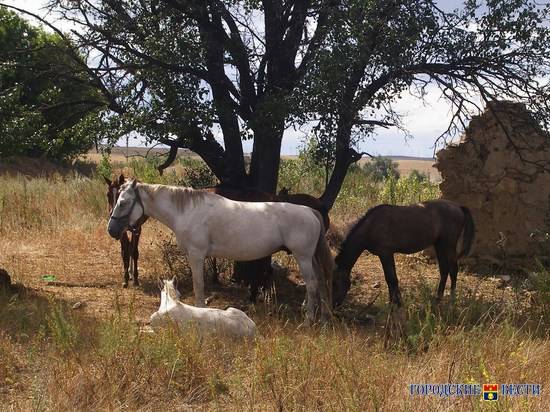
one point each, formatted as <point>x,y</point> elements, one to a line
<point>249,272</point>
<point>385,230</point>
<point>128,244</point>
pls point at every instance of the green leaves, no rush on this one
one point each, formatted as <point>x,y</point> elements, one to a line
<point>45,101</point>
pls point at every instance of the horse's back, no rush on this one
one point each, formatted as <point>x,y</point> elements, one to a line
<point>409,229</point>
<point>303,199</point>
<point>273,219</point>
<point>233,322</point>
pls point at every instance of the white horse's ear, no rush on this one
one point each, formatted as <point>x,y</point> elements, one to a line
<point>121,179</point>
<point>175,281</point>
<point>161,283</point>
<point>134,183</point>
<point>107,180</point>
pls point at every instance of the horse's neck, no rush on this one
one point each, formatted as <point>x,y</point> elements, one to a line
<point>158,207</point>
<point>351,249</point>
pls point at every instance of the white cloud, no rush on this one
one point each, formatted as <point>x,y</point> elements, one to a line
<point>38,7</point>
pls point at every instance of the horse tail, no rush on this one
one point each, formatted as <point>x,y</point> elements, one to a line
<point>468,232</point>
<point>325,261</point>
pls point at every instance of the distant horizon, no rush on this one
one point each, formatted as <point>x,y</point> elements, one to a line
<point>396,157</point>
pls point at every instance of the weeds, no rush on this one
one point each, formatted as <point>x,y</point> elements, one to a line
<point>54,358</point>
<point>63,328</point>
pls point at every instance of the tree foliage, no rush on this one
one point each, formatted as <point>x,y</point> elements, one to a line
<point>46,109</point>
<point>317,153</point>
<point>206,75</point>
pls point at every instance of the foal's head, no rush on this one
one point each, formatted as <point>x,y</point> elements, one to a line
<point>341,282</point>
<point>113,190</point>
<point>169,288</point>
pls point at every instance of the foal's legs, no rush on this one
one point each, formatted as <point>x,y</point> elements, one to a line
<point>196,261</point>
<point>125,253</point>
<point>135,254</point>
<point>388,264</point>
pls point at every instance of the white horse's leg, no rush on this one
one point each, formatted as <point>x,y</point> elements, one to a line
<point>196,261</point>
<point>312,286</point>
<point>324,299</point>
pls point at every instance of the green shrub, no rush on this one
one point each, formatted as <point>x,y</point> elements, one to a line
<point>381,168</point>
<point>63,328</point>
<point>407,190</point>
<point>196,174</point>
<point>104,168</point>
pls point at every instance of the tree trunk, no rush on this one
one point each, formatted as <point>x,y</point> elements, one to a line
<point>266,157</point>
<point>264,173</point>
<point>345,156</point>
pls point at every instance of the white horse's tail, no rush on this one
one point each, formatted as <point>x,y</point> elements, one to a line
<point>325,265</point>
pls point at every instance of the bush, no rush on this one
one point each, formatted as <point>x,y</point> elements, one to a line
<point>418,175</point>
<point>196,174</point>
<point>381,168</point>
<point>407,190</point>
<point>104,168</point>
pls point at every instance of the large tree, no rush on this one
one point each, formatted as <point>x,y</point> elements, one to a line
<point>192,73</point>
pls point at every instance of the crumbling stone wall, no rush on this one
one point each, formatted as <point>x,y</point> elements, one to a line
<point>503,178</point>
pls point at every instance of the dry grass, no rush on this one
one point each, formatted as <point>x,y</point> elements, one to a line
<point>53,357</point>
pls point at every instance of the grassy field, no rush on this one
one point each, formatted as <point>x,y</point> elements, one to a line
<point>74,342</point>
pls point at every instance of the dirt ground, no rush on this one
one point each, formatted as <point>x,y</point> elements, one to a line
<point>88,271</point>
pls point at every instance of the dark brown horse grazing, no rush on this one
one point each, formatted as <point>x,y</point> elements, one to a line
<point>128,244</point>
<point>385,230</point>
<point>252,279</point>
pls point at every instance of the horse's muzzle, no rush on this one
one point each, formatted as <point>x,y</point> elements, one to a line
<point>115,228</point>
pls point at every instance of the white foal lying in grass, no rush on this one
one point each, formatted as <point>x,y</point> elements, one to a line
<point>232,322</point>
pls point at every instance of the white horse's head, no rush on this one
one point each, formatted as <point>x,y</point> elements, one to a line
<point>128,210</point>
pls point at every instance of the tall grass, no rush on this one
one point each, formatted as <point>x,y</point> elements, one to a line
<point>56,358</point>
<point>359,191</point>
<point>50,203</point>
<point>339,367</point>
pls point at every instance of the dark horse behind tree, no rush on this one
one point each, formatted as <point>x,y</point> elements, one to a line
<point>385,230</point>
<point>249,195</point>
<point>258,273</point>
<point>128,244</point>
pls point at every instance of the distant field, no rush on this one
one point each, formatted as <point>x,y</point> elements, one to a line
<point>406,164</point>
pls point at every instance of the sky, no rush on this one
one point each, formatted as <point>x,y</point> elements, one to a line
<point>424,121</point>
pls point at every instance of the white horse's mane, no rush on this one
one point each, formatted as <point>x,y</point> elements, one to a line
<point>181,196</point>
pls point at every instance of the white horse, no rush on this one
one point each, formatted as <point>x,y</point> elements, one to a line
<point>232,322</point>
<point>206,224</point>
